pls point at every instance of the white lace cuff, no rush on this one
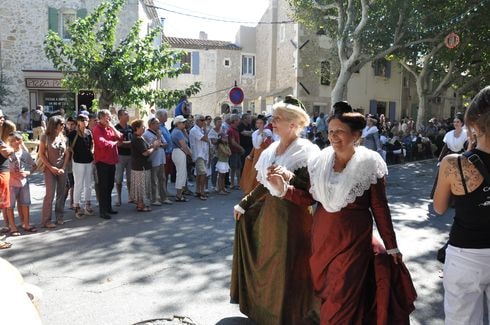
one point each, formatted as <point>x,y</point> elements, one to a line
<point>238,208</point>
<point>393,251</point>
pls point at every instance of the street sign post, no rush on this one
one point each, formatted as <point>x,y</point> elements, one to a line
<point>236,95</point>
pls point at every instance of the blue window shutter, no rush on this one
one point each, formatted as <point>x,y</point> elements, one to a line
<point>82,13</point>
<point>244,65</point>
<point>388,69</point>
<point>195,62</point>
<point>373,107</point>
<point>53,18</point>
<point>392,111</point>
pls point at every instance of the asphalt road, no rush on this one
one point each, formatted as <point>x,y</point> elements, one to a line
<point>176,259</point>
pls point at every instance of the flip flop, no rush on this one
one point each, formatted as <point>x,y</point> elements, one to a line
<point>5,245</point>
<point>31,229</point>
<point>15,233</point>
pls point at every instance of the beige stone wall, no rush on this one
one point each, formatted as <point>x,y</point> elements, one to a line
<point>24,25</point>
<point>216,80</point>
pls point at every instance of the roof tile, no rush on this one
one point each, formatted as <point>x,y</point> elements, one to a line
<point>191,43</point>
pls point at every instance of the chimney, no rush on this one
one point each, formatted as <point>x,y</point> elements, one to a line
<point>203,36</point>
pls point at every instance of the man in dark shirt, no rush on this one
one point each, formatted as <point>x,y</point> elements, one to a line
<point>236,151</point>
<point>245,129</point>
<point>38,120</point>
<point>124,147</point>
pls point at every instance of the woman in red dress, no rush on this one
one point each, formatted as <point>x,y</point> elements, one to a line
<point>357,281</point>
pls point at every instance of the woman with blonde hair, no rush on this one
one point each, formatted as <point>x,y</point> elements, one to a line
<point>466,178</point>
<point>53,152</point>
<point>271,276</point>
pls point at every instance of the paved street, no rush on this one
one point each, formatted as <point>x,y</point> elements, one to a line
<point>176,259</point>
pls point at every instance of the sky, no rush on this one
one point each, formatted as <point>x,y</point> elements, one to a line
<point>189,27</point>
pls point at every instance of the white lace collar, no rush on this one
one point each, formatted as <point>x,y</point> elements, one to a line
<point>362,170</point>
<point>295,157</point>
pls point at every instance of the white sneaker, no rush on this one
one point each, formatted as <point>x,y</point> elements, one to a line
<point>167,201</point>
<point>156,203</point>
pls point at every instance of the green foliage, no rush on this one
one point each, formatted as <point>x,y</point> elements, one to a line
<point>118,72</point>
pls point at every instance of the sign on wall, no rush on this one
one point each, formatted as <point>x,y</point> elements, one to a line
<point>39,83</point>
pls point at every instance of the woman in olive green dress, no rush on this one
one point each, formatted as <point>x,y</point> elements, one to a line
<point>270,274</point>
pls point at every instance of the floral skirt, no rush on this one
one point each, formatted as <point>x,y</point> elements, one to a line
<point>140,185</point>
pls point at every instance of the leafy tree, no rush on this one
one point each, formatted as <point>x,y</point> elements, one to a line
<point>117,72</point>
<point>362,30</point>
<point>436,67</point>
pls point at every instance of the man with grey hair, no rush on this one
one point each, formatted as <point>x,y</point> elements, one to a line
<point>106,139</point>
<point>199,142</point>
<point>162,116</point>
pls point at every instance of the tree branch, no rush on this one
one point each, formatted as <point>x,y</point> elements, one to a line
<point>325,7</point>
<point>446,80</point>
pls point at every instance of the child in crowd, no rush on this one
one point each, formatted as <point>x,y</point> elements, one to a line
<point>71,125</point>
<point>222,166</point>
<point>21,164</point>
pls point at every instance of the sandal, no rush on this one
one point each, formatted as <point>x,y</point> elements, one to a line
<point>5,245</point>
<point>49,225</point>
<point>30,229</point>
<point>14,233</point>
<point>143,209</point>
<point>181,199</point>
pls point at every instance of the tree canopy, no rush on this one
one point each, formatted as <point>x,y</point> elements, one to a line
<point>411,32</point>
<point>119,72</point>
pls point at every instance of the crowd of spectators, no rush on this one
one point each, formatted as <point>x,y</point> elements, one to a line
<point>93,152</point>
<point>397,141</point>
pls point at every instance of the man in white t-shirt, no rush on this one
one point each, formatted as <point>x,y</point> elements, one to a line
<point>199,143</point>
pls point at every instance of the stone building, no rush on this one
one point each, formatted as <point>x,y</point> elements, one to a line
<point>219,66</point>
<point>30,76</point>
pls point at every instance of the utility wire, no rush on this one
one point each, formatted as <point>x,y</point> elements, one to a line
<point>214,92</point>
<point>225,20</point>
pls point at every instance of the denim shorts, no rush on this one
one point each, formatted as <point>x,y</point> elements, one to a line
<point>22,195</point>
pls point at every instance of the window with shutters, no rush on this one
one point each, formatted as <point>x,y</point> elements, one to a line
<point>325,73</point>
<point>248,65</point>
<point>191,61</point>
<point>59,20</point>
<point>67,18</point>
<point>382,68</point>
<point>186,59</point>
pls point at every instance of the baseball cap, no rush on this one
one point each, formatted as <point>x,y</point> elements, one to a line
<point>82,117</point>
<point>179,119</point>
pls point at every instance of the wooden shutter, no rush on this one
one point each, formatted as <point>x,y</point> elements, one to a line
<point>373,107</point>
<point>195,62</point>
<point>82,13</point>
<point>388,69</point>
<point>392,111</point>
<point>53,19</point>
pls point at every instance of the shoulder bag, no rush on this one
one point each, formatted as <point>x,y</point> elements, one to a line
<point>39,162</point>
